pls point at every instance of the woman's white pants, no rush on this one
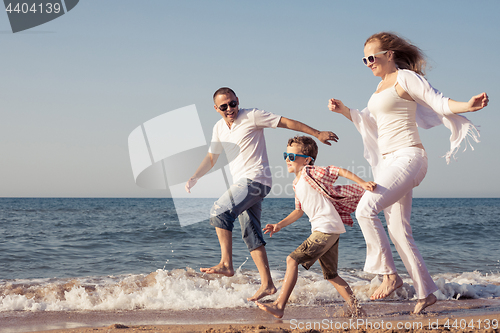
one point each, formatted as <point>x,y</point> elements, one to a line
<point>396,175</point>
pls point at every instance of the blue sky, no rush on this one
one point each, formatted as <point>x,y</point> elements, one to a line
<point>73,89</point>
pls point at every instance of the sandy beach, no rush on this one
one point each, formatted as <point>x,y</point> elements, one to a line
<point>452,315</point>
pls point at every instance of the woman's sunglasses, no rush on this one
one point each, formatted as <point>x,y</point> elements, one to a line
<point>291,156</point>
<point>371,58</point>
<point>231,104</point>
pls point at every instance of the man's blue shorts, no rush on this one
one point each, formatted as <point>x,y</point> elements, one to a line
<point>243,200</point>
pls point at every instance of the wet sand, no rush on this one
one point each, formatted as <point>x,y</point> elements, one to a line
<point>452,315</point>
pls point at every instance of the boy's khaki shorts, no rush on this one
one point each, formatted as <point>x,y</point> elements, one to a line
<point>324,247</point>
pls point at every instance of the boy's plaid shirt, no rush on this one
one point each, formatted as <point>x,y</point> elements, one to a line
<point>344,198</point>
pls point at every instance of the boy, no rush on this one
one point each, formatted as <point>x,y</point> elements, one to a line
<point>328,208</point>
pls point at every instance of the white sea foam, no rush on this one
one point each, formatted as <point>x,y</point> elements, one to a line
<point>468,285</point>
<point>184,289</point>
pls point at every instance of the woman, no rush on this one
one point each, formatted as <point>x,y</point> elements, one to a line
<point>393,148</point>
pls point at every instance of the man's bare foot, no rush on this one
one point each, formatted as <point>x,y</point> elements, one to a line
<point>219,269</point>
<point>423,303</point>
<point>390,283</point>
<point>262,292</point>
<point>272,309</point>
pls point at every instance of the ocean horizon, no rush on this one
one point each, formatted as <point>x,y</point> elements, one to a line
<point>60,254</point>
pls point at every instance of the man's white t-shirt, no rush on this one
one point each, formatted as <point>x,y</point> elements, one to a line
<point>321,212</point>
<point>245,145</point>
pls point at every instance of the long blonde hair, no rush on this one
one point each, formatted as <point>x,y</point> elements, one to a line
<point>406,55</point>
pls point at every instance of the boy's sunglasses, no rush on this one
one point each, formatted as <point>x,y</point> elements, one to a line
<point>371,58</point>
<point>291,156</point>
<point>231,104</point>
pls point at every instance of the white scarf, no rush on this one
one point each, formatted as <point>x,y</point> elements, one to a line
<point>432,110</point>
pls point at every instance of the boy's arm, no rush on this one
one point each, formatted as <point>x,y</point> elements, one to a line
<point>369,186</point>
<point>205,166</point>
<point>323,136</point>
<point>292,217</point>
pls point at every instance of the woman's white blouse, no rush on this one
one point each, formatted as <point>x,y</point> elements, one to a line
<point>432,110</point>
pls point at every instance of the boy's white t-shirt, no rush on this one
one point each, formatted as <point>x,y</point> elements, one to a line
<point>245,145</point>
<point>321,212</point>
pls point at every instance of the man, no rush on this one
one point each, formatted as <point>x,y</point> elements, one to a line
<point>240,133</point>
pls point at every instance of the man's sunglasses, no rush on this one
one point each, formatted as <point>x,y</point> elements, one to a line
<point>231,104</point>
<point>291,156</point>
<point>371,58</point>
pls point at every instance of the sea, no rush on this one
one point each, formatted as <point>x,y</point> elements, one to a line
<point>99,254</point>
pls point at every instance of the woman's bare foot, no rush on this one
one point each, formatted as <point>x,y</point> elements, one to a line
<point>262,292</point>
<point>219,269</point>
<point>272,309</point>
<point>390,283</point>
<point>423,303</point>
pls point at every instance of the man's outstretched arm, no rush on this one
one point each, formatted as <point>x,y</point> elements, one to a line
<point>205,166</point>
<point>294,125</point>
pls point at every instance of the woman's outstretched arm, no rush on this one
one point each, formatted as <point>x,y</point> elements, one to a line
<point>337,106</point>
<point>476,103</point>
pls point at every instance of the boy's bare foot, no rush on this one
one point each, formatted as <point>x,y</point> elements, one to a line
<point>350,311</point>
<point>262,292</point>
<point>353,309</point>
<point>219,269</point>
<point>390,283</point>
<point>423,303</point>
<point>272,309</point>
